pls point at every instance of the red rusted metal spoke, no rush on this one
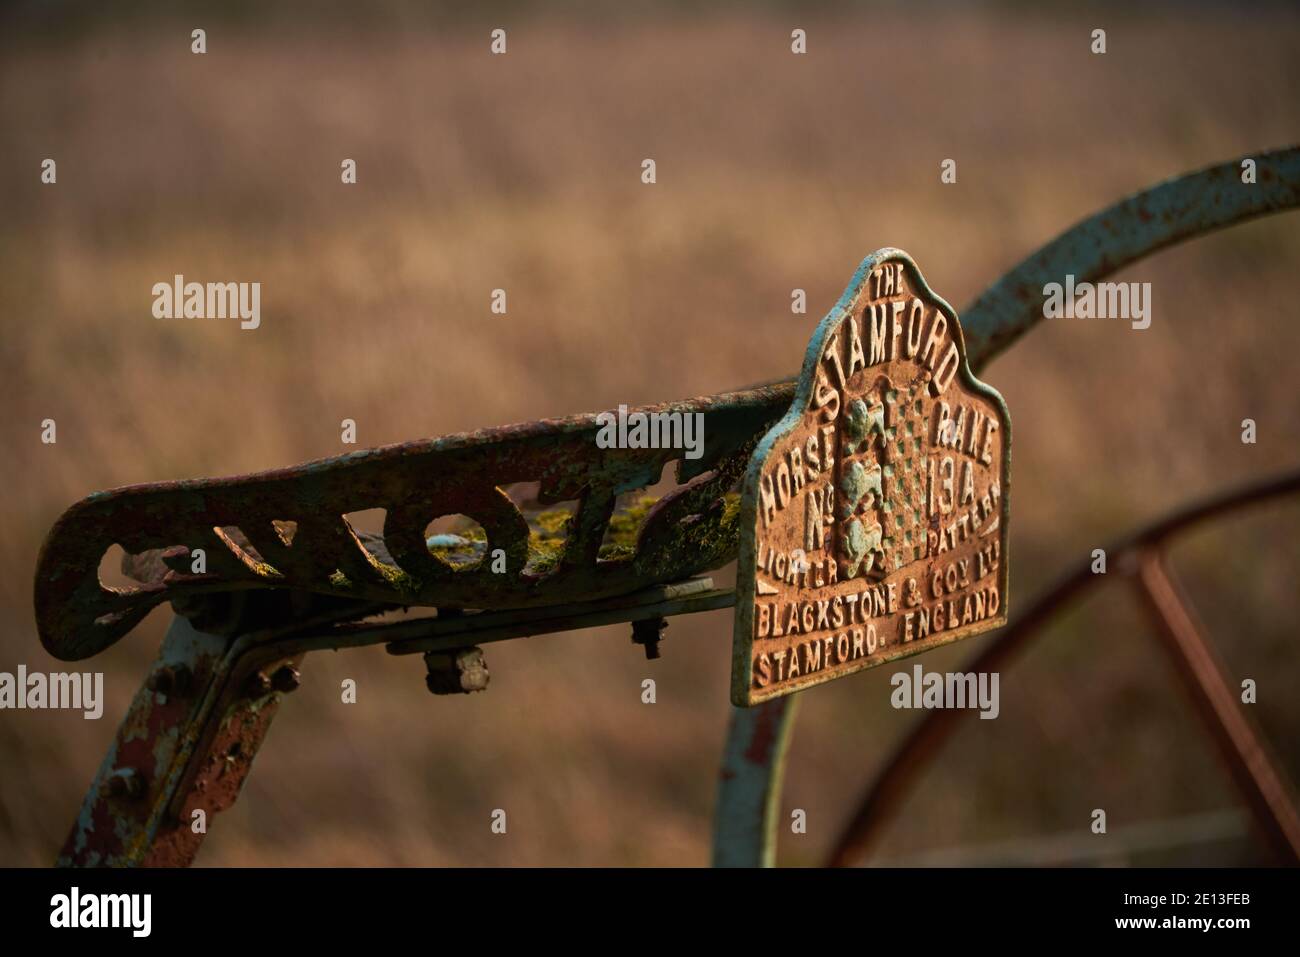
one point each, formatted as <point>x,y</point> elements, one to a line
<point>1241,747</point>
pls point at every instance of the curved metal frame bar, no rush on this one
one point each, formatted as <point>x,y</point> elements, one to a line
<point>1184,207</point>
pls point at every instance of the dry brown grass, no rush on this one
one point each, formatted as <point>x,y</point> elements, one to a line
<point>774,172</point>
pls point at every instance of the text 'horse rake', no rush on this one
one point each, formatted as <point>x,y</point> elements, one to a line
<point>283,572</point>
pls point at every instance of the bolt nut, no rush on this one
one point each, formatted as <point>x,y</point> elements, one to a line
<point>648,632</point>
<point>125,783</point>
<point>462,671</point>
<point>169,680</point>
<point>257,685</point>
<point>286,679</point>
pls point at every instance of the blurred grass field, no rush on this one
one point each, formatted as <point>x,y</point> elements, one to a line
<point>523,171</point>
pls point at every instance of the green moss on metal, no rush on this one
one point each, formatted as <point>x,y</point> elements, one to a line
<point>624,527</point>
<point>549,532</point>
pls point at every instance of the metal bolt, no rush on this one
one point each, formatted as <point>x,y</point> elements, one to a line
<point>125,783</point>
<point>258,684</point>
<point>169,680</point>
<point>161,681</point>
<point>462,671</point>
<point>286,679</point>
<point>648,632</point>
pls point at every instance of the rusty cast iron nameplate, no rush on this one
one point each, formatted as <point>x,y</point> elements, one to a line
<point>874,514</point>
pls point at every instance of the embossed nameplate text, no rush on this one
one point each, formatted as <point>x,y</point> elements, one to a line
<point>874,514</point>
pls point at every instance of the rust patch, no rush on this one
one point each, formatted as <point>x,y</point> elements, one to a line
<point>766,731</point>
<point>215,776</point>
